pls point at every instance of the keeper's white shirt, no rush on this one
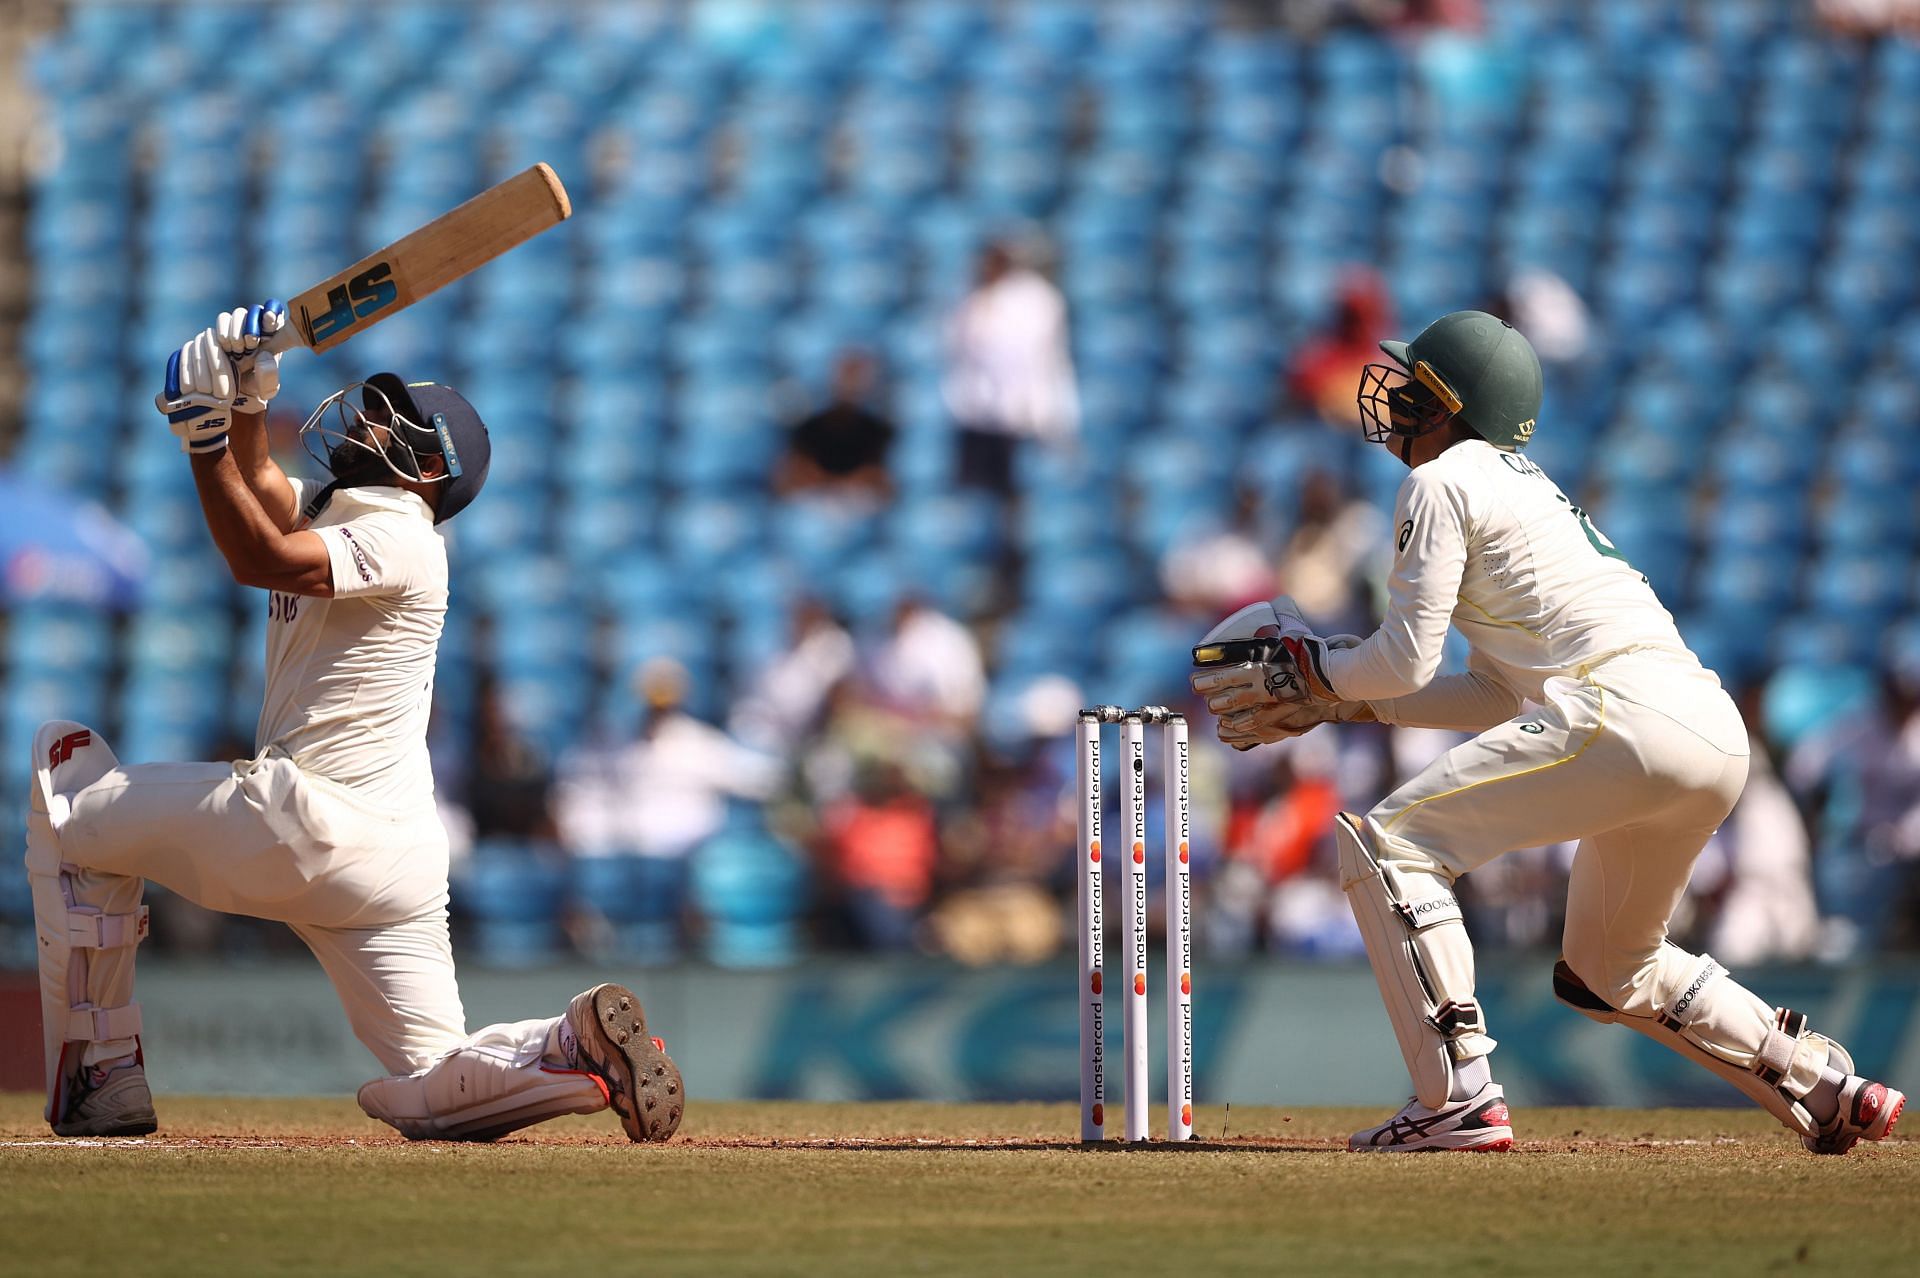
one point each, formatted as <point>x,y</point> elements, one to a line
<point>350,678</point>
<point>1485,541</point>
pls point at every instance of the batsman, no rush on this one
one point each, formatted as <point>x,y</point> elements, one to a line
<point>1594,723</point>
<point>331,826</point>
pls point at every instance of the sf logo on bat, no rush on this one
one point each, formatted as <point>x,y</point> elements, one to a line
<point>367,293</point>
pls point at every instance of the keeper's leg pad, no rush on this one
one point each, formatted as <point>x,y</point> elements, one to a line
<point>1775,1060</point>
<point>1417,942</point>
<point>495,1083</point>
<point>87,923</point>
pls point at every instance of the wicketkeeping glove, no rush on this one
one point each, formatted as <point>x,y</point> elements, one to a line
<point>1263,725</point>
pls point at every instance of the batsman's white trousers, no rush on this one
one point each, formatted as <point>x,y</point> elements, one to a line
<point>366,891</point>
<point>1640,762</point>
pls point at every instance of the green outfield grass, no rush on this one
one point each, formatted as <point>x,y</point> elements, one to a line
<point>312,1187</point>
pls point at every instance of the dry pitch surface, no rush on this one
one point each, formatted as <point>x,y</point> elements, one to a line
<point>312,1187</point>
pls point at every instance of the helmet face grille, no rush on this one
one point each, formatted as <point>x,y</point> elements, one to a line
<point>1393,404</point>
<point>357,442</point>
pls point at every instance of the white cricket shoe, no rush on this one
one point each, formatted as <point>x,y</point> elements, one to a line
<point>115,1102</point>
<point>1868,1111</point>
<point>643,1084</point>
<point>1479,1124</point>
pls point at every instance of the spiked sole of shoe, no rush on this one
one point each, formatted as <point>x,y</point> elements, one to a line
<point>649,1099</point>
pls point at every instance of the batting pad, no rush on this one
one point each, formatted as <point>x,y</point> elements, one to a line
<point>495,1083</point>
<point>87,923</point>
<point>1714,1021</point>
<point>1417,942</point>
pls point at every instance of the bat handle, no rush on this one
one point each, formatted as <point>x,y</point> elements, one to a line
<point>283,340</point>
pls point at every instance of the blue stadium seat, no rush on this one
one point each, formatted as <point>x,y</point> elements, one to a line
<point>1760,522</point>
<point>1645,460</point>
<point>638,897</point>
<point>752,892</point>
<point>509,894</point>
<point>1866,586</point>
<point>1873,460</point>
<point>546,706</point>
<point>176,641</point>
<point>171,714</point>
<point>1844,640</point>
<point>709,535</point>
<point>1859,520</point>
<point>1085,581</point>
<point>1760,466</point>
<point>539,640</point>
<point>816,534</point>
<point>957,526</point>
<point>1732,646</point>
<point>30,699</point>
<point>51,639</point>
<point>1744,585</point>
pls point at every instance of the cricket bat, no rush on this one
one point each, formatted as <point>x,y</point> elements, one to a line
<point>423,261</point>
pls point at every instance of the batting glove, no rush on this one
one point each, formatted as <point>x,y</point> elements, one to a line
<point>243,333</point>
<point>222,371</point>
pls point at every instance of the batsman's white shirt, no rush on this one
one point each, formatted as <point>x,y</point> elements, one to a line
<point>350,679</point>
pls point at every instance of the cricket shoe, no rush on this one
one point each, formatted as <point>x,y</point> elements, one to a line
<point>109,1102</point>
<point>1868,1111</point>
<point>642,1082</point>
<point>1478,1124</point>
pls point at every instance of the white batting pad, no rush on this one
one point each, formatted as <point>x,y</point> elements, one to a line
<point>495,1083</point>
<point>1417,943</point>
<point>87,924</point>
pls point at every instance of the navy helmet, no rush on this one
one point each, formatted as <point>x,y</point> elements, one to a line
<point>395,428</point>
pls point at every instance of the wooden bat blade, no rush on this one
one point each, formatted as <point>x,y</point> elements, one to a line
<point>423,261</point>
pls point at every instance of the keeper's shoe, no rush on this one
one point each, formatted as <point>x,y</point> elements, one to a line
<point>1477,1124</point>
<point>116,1103</point>
<point>643,1083</point>
<point>1868,1111</point>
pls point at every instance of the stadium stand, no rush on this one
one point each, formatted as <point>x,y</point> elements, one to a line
<point>758,187</point>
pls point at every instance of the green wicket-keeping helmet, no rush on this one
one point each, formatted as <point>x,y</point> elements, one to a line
<point>1467,365</point>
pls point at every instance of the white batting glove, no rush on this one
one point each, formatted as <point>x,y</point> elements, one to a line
<point>242,332</point>
<point>219,373</point>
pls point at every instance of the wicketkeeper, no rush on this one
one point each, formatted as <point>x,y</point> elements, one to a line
<point>1595,722</point>
<point>330,827</point>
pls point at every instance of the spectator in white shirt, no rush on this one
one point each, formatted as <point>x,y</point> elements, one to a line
<point>664,793</point>
<point>930,669</point>
<point>1010,369</point>
<point>788,694</point>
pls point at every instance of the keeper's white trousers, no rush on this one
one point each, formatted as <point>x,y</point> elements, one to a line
<point>1640,762</point>
<point>367,892</point>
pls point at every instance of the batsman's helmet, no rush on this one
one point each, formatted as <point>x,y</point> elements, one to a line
<point>1467,366</point>
<point>395,427</point>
